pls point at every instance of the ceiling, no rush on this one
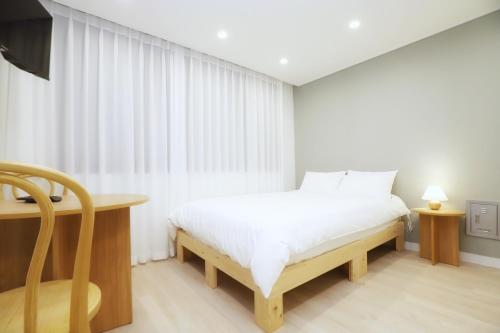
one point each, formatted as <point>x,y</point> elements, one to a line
<point>314,35</point>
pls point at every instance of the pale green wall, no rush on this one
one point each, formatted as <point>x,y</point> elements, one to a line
<point>431,110</point>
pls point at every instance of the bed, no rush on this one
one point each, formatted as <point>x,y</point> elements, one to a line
<point>274,242</point>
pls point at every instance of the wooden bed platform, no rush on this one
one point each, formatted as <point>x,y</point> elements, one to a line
<point>269,311</point>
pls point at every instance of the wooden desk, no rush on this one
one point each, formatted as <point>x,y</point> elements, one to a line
<point>110,264</point>
<point>439,235</point>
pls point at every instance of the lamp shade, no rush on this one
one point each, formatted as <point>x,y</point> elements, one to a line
<point>434,193</point>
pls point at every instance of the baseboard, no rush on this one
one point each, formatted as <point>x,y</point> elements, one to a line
<point>410,246</point>
<point>464,256</point>
<point>479,259</point>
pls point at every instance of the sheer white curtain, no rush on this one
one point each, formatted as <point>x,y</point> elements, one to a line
<point>126,112</point>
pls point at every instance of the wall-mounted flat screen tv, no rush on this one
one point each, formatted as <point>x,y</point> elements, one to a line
<point>25,35</point>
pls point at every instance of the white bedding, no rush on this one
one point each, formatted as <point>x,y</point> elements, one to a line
<point>265,232</point>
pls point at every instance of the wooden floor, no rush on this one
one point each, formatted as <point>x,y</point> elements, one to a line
<point>400,293</point>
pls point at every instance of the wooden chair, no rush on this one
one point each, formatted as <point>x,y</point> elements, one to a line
<point>54,306</point>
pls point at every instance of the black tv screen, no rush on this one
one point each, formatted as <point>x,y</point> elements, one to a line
<point>25,35</point>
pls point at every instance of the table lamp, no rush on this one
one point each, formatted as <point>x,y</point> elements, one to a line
<point>434,194</point>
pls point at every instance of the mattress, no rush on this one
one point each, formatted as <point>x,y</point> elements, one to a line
<point>266,232</point>
<point>335,243</point>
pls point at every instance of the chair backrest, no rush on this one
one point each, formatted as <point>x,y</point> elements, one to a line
<point>16,174</point>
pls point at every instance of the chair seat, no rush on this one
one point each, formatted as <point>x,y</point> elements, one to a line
<point>53,307</point>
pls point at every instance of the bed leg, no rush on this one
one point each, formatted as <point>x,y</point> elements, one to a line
<point>268,311</point>
<point>400,239</point>
<point>182,252</point>
<point>358,267</point>
<point>210,275</point>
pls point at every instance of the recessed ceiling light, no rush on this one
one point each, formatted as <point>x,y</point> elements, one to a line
<point>283,61</point>
<point>222,34</point>
<point>354,24</point>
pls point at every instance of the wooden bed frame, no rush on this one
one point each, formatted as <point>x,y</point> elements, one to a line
<point>269,311</point>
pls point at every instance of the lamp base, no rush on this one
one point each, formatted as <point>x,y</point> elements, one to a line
<point>434,205</point>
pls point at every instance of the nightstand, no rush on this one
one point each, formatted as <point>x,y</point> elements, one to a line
<point>439,235</point>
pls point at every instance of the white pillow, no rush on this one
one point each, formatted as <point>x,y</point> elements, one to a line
<point>376,184</point>
<point>322,182</point>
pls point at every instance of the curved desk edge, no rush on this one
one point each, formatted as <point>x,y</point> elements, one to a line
<point>14,210</point>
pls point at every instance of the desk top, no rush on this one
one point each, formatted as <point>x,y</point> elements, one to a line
<point>439,212</point>
<point>12,210</point>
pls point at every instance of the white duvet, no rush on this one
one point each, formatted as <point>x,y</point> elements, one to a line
<point>263,232</point>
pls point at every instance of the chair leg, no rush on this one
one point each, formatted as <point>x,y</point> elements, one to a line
<point>268,311</point>
<point>210,275</point>
<point>358,267</point>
